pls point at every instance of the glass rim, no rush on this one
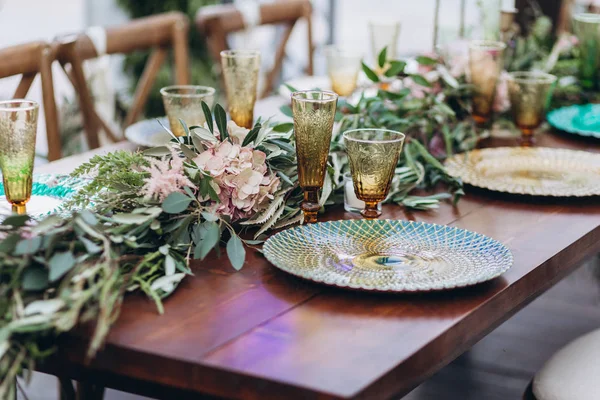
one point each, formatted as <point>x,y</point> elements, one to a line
<point>342,51</point>
<point>531,77</point>
<point>401,136</point>
<point>297,95</point>
<point>486,44</point>
<point>239,53</point>
<point>586,17</point>
<point>386,23</point>
<point>18,105</point>
<point>208,91</point>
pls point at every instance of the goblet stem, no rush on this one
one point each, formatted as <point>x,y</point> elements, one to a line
<point>19,208</point>
<point>527,139</point>
<point>370,211</point>
<point>310,206</point>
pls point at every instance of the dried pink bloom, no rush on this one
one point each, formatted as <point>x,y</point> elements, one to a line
<point>166,176</point>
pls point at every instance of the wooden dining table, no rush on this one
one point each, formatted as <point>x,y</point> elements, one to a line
<point>262,334</point>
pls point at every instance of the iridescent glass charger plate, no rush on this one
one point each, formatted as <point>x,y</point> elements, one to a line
<point>538,171</point>
<point>388,255</point>
<point>578,119</point>
<point>48,195</point>
<point>148,133</point>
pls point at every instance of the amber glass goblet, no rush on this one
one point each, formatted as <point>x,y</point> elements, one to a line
<point>18,127</point>
<point>529,93</point>
<point>373,156</point>
<point>314,114</point>
<point>343,66</point>
<point>587,28</point>
<point>240,73</point>
<point>185,102</point>
<point>485,66</point>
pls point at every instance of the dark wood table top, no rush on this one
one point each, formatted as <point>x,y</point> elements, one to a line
<point>260,333</point>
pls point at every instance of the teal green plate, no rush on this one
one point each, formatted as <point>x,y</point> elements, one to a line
<point>48,194</point>
<point>581,120</point>
<point>388,255</point>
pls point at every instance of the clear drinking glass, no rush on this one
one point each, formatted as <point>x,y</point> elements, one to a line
<point>384,34</point>
<point>343,66</point>
<point>18,128</point>
<point>529,93</point>
<point>185,102</point>
<point>485,65</point>
<point>373,156</point>
<point>587,28</point>
<point>240,73</point>
<point>314,114</point>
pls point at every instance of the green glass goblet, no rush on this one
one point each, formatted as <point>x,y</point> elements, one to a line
<point>18,128</point>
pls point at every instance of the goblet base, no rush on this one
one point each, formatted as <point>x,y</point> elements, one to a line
<point>310,206</point>
<point>19,208</point>
<point>371,211</point>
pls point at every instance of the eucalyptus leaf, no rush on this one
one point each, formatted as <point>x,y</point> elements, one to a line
<point>90,247</point>
<point>16,221</point>
<point>396,67</point>
<point>236,252</point>
<point>210,240</point>
<point>252,135</point>
<point>35,278</point>
<point>169,265</point>
<point>209,216</point>
<point>189,153</point>
<point>176,203</point>
<point>286,110</point>
<point>28,246</point>
<point>159,151</point>
<point>130,218</point>
<point>60,264</point>
<point>420,79</point>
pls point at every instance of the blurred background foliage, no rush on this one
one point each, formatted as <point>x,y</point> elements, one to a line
<point>201,65</point>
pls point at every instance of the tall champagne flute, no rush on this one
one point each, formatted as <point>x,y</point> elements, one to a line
<point>314,114</point>
<point>240,73</point>
<point>18,127</point>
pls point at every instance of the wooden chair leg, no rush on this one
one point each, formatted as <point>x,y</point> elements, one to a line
<point>66,390</point>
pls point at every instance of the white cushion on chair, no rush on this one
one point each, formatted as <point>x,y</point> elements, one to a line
<point>573,373</point>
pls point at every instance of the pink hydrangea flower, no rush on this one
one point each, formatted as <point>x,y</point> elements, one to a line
<point>240,175</point>
<point>166,177</point>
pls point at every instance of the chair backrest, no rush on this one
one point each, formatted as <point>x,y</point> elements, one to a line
<point>29,60</point>
<point>218,21</point>
<point>159,33</point>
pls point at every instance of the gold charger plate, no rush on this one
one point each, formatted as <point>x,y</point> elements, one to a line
<point>537,171</point>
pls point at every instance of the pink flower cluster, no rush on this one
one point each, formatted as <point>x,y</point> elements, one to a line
<point>241,177</point>
<point>166,177</point>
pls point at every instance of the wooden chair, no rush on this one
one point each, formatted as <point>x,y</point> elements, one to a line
<point>216,22</point>
<point>29,60</point>
<point>159,33</point>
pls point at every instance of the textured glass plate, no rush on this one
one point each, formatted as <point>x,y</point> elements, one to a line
<point>148,133</point>
<point>388,255</point>
<point>537,171</point>
<point>582,120</point>
<point>48,194</point>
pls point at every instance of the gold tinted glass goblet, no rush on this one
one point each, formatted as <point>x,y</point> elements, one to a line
<point>185,102</point>
<point>18,127</point>
<point>485,66</point>
<point>240,73</point>
<point>373,156</point>
<point>314,114</point>
<point>529,93</point>
<point>343,66</point>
